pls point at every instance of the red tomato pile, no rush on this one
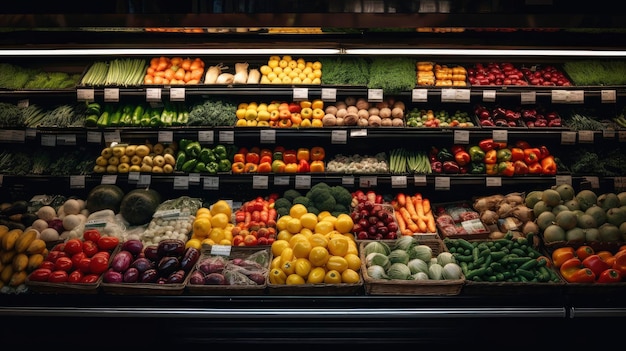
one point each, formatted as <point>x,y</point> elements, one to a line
<point>76,260</point>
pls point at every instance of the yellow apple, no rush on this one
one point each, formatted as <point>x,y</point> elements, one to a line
<point>317,123</point>
<point>241,123</point>
<point>306,103</point>
<point>317,103</point>
<point>306,112</point>
<point>263,115</point>
<point>251,114</point>
<point>306,123</point>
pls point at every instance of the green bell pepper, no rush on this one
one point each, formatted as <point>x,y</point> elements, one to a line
<point>137,115</point>
<point>181,158</point>
<point>476,154</point>
<point>193,149</point>
<point>220,152</point>
<point>477,168</point>
<point>503,155</point>
<point>445,155</point>
<point>200,167</point>
<point>206,155</point>
<point>211,168</point>
<point>224,165</point>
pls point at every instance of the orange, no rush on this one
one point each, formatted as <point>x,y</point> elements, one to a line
<point>220,220</point>
<point>221,206</point>
<point>203,210</point>
<point>201,227</point>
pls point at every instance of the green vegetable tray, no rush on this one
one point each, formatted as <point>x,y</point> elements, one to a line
<point>410,287</point>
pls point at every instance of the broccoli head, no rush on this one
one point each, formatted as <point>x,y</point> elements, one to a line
<point>339,208</point>
<point>322,198</point>
<point>282,202</point>
<point>341,195</point>
<point>291,194</point>
<point>302,200</point>
<point>313,209</point>
<point>282,211</point>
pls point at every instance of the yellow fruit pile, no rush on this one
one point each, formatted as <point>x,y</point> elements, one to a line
<point>212,226</point>
<point>286,70</point>
<point>148,158</point>
<point>21,252</point>
<point>314,249</point>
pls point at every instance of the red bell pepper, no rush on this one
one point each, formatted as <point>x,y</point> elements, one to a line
<point>491,157</point>
<point>303,166</point>
<point>562,254</point>
<point>520,167</point>
<point>517,154</point>
<point>548,164</point>
<point>506,168</point>
<point>535,168</point>
<point>522,144</point>
<point>462,157</point>
<point>610,276</point>
<point>543,151</point>
<point>457,148</point>
<point>531,155</point>
<point>584,251</point>
<point>573,271</point>
<point>290,156</point>
<point>596,264</point>
<point>486,145</point>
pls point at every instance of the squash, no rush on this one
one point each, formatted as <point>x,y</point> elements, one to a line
<point>138,206</point>
<point>104,197</point>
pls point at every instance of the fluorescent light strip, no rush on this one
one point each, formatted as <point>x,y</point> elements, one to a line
<point>480,52</point>
<point>167,52</point>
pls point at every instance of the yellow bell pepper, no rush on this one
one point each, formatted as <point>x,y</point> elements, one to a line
<point>316,275</point>
<point>302,267</point>
<point>277,276</point>
<point>332,277</point>
<point>338,246</point>
<point>288,267</point>
<point>337,263</point>
<point>318,256</point>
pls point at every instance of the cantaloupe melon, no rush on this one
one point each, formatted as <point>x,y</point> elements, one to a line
<point>575,234</point>
<point>586,198</point>
<point>609,233</point>
<point>592,234</point>
<point>598,214</point>
<point>608,200</point>
<point>551,197</point>
<point>545,220</point>
<point>586,221</point>
<point>566,192</point>
<point>553,233</point>
<point>532,198</point>
<point>566,219</point>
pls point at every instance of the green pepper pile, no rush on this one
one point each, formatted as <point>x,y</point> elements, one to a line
<point>192,157</point>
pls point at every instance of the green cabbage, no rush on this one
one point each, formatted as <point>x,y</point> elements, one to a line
<point>377,259</point>
<point>376,246</point>
<point>377,272</point>
<point>399,271</point>
<point>423,252</point>
<point>451,271</point>
<point>398,255</point>
<point>405,242</point>
<point>416,265</point>
<point>435,272</point>
<point>420,276</point>
<point>445,257</point>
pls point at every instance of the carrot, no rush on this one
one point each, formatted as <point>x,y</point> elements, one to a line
<point>426,204</point>
<point>401,199</point>
<point>410,206</point>
<point>419,209</point>
<point>409,222</point>
<point>401,223</point>
<point>430,223</point>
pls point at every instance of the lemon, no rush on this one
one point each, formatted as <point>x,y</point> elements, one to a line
<point>324,227</point>
<point>294,279</point>
<point>350,276</point>
<point>284,235</point>
<point>294,226</point>
<point>297,210</point>
<point>217,234</point>
<point>201,227</point>
<point>354,262</point>
<point>318,239</point>
<point>322,214</point>
<point>278,246</point>
<point>194,242</point>
<point>344,223</point>
<point>220,220</point>
<point>202,210</point>
<point>309,220</point>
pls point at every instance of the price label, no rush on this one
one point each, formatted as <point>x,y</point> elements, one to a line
<point>227,136</point>
<point>112,137</point>
<point>621,136</point>
<point>48,140</point>
<point>94,137</point>
<point>339,137</point>
<point>347,181</point>
<point>144,180</point>
<point>585,136</point>
<point>329,94</point>
<point>267,136</point>
<point>442,183</point>
<point>398,182</point>
<point>419,180</point>
<point>500,135</point>
<point>563,179</point>
<point>375,95</point>
<point>448,95</point>
<point>181,182</point>
<point>177,94</point>
<point>608,133</point>
<point>576,97</point>
<point>593,181</point>
<point>31,133</point>
<point>221,250</point>
<point>165,136</point>
<point>281,180</point>
<point>300,94</point>
<point>211,183</point>
<point>133,177</point>
<point>18,136</point>
<point>84,94</point>
<point>463,95</point>
<point>66,139</point>
<point>559,96</point>
<point>368,182</point>
<point>206,136</point>
<point>358,133</point>
<point>77,182</point>
<point>461,136</point>
<point>5,135</point>
<point>260,182</point>
<point>153,94</point>
<point>109,179</point>
<point>568,138</point>
<point>419,95</point>
<point>619,183</point>
<point>608,96</point>
<point>194,178</point>
<point>111,94</point>
<point>23,103</point>
<point>528,97</point>
<point>303,182</point>
<point>493,181</point>
<point>489,95</point>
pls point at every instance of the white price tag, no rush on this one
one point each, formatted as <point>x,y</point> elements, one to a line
<point>227,136</point>
<point>66,139</point>
<point>5,135</point>
<point>221,250</point>
<point>109,179</point>
<point>206,136</point>
<point>181,182</point>
<point>133,176</point>
<point>194,178</point>
<point>357,133</point>
<point>94,137</point>
<point>462,95</point>
<point>375,95</point>
<point>19,136</point>
<point>211,183</point>
<point>585,136</point>
<point>329,94</point>
<point>368,182</point>
<point>347,181</point>
<point>576,97</point>
<point>339,137</point>
<point>563,179</point>
<point>419,95</point>
<point>267,136</point>
<point>112,137</point>
<point>493,181</point>
<point>31,132</point>
<point>177,94</point>
<point>559,96</point>
<point>48,140</point>
<point>281,180</point>
<point>489,95</point>
<point>419,180</point>
<point>500,135</point>
<point>619,183</point>
<point>303,182</point>
<point>528,97</point>
<point>608,133</point>
<point>442,183</point>
<point>260,182</point>
<point>593,181</point>
<point>153,94</point>
<point>398,182</point>
<point>84,94</point>
<point>165,136</point>
<point>448,95</point>
<point>568,138</point>
<point>461,136</point>
<point>23,103</point>
<point>608,96</point>
<point>300,94</point>
<point>111,94</point>
<point>77,182</point>
<point>144,180</point>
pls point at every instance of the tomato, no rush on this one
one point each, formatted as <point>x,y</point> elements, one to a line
<point>104,254</point>
<point>92,235</point>
<point>58,277</point>
<point>238,240</point>
<point>250,240</point>
<point>262,241</point>
<point>40,274</point>
<point>63,264</point>
<point>77,257</point>
<point>59,247</point>
<point>75,277</point>
<point>90,278</point>
<point>83,265</point>
<point>108,242</point>
<point>90,248</point>
<point>99,264</point>
<point>47,265</point>
<point>54,255</point>
<point>73,246</point>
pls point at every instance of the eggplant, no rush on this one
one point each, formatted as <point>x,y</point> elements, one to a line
<point>20,206</point>
<point>170,247</point>
<point>189,259</point>
<point>168,265</point>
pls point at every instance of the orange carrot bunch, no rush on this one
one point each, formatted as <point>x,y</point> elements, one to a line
<point>175,70</point>
<point>414,214</point>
